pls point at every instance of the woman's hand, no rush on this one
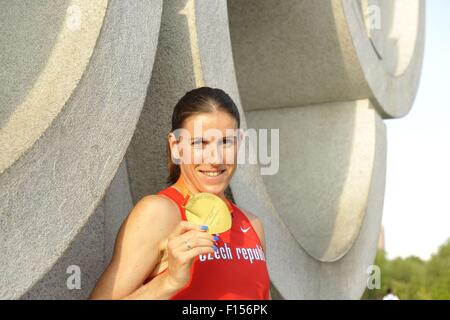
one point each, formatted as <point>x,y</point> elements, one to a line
<point>186,242</point>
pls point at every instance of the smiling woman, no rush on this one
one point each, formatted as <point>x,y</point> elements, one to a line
<point>159,254</point>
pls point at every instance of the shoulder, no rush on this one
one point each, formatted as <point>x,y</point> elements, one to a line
<point>154,208</point>
<point>150,221</point>
<point>252,217</point>
<point>257,225</point>
<point>156,201</point>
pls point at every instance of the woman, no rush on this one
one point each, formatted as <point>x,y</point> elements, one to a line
<point>158,253</point>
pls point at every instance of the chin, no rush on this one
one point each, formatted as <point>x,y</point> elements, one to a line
<point>216,189</point>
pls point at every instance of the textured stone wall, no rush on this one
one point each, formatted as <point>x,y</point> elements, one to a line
<point>87,91</point>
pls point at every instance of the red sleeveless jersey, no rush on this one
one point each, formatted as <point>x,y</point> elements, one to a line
<point>237,271</point>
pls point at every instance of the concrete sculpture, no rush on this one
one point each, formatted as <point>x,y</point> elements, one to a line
<point>88,88</point>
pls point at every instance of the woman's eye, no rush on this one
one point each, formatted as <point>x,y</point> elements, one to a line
<point>228,141</point>
<point>198,142</point>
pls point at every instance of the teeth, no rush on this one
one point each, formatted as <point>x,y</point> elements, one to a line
<point>212,173</point>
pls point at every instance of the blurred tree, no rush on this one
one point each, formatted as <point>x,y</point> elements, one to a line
<point>438,273</point>
<point>412,278</point>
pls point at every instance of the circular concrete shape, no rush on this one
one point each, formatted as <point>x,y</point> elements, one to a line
<point>297,53</point>
<point>392,31</point>
<point>41,41</point>
<point>388,37</point>
<point>333,151</point>
<point>63,141</point>
<point>325,73</point>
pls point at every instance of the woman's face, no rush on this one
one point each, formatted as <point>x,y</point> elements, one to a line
<point>207,150</point>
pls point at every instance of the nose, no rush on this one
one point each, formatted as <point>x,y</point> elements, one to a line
<point>213,154</point>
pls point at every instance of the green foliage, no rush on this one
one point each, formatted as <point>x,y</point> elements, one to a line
<point>412,278</point>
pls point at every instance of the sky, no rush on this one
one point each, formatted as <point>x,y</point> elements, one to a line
<point>416,213</point>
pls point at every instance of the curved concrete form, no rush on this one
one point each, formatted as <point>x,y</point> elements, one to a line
<point>294,53</point>
<point>325,78</point>
<point>94,79</point>
<point>41,43</point>
<point>327,155</point>
<point>390,52</point>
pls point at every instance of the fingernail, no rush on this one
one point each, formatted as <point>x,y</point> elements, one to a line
<point>215,248</point>
<point>216,238</point>
<point>204,227</point>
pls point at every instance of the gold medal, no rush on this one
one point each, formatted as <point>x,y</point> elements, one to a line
<point>208,209</point>
<point>205,208</point>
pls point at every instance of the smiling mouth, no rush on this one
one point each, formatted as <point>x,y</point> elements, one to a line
<point>214,173</point>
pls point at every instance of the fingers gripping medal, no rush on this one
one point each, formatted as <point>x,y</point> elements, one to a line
<point>209,209</point>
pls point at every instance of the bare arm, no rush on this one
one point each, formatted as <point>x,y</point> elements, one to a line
<point>137,251</point>
<point>160,287</point>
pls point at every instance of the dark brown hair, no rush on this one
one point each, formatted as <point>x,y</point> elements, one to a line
<point>199,100</point>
